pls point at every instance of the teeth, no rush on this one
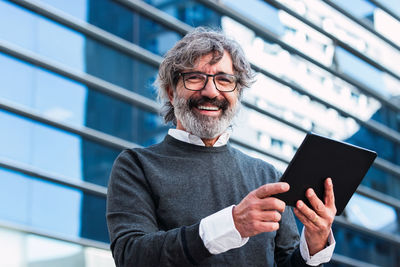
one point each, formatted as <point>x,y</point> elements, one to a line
<point>208,108</point>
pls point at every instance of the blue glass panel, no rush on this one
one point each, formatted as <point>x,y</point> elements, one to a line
<point>53,150</point>
<point>40,35</point>
<point>386,149</point>
<point>39,204</point>
<point>56,151</point>
<point>93,218</point>
<point>388,116</point>
<point>360,70</point>
<point>59,98</point>
<point>55,208</point>
<point>372,214</point>
<point>392,5</point>
<point>190,12</point>
<point>76,8</point>
<point>15,138</point>
<point>49,94</point>
<point>51,207</point>
<point>27,249</point>
<point>97,161</point>
<point>116,19</point>
<point>14,190</point>
<point>372,78</point>
<point>363,9</point>
<point>359,8</point>
<point>260,12</point>
<point>125,121</point>
<point>74,50</point>
<point>365,248</point>
<point>43,147</point>
<point>17,90</point>
<point>381,181</point>
<point>119,69</point>
<point>70,102</point>
<point>131,26</point>
<point>23,31</point>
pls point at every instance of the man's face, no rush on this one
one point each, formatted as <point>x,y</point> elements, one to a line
<point>206,113</point>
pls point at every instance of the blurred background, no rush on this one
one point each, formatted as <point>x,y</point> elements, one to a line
<point>76,88</point>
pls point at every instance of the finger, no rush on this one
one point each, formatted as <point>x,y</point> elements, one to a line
<point>302,217</point>
<point>315,202</point>
<point>271,189</point>
<point>272,203</point>
<point>315,222</point>
<point>329,194</point>
<point>268,226</point>
<point>309,215</point>
<point>270,216</point>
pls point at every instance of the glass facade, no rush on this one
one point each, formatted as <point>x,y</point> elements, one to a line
<point>76,88</point>
<point>26,249</point>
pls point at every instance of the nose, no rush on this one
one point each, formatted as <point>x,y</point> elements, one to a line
<point>210,90</point>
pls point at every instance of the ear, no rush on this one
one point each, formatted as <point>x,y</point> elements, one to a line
<point>170,92</point>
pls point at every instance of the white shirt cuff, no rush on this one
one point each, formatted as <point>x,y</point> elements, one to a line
<point>322,256</point>
<point>218,232</point>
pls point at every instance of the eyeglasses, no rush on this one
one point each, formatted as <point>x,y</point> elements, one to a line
<point>196,81</point>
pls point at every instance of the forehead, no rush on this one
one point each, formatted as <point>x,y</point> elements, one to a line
<point>225,64</point>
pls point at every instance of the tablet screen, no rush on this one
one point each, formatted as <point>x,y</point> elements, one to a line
<point>320,157</point>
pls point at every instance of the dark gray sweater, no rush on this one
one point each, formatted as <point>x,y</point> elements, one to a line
<point>158,195</point>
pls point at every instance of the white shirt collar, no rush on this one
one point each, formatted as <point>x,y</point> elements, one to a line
<point>195,140</point>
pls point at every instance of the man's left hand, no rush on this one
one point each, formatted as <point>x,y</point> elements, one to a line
<point>317,221</point>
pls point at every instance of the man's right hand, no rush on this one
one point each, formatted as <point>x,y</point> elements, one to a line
<point>258,212</point>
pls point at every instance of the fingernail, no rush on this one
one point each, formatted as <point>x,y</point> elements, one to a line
<point>285,186</point>
<point>299,203</point>
<point>310,192</point>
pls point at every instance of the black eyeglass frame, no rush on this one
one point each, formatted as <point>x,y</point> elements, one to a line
<point>182,74</point>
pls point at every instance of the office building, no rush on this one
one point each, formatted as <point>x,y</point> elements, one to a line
<point>76,88</point>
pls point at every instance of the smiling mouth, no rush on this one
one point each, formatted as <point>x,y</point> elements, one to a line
<point>213,108</point>
<point>206,104</point>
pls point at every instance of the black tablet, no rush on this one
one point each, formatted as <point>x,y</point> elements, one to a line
<point>320,157</point>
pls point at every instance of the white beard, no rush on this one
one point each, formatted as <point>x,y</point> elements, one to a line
<point>203,126</point>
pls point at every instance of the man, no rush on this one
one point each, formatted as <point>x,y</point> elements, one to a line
<point>195,200</point>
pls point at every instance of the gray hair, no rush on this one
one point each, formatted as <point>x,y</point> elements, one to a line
<point>185,54</point>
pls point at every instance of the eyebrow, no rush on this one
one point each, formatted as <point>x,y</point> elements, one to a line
<point>220,72</point>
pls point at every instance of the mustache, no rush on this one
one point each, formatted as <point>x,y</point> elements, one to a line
<point>220,103</point>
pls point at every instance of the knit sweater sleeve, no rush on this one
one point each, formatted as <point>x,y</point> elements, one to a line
<point>136,239</point>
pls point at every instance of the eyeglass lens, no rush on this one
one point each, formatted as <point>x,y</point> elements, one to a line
<point>197,81</point>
